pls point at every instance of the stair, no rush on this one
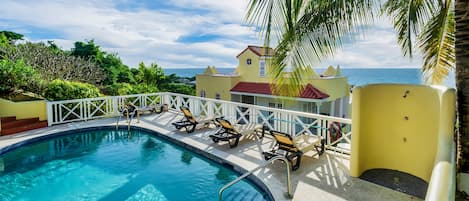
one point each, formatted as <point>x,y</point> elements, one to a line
<point>243,194</point>
<point>11,125</point>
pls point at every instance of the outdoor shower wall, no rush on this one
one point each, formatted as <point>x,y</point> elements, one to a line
<point>401,127</point>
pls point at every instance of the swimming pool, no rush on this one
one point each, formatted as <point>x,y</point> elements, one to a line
<point>109,164</point>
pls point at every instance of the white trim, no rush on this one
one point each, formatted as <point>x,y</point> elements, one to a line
<point>289,98</point>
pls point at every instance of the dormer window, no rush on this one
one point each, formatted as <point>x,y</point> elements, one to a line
<point>249,61</point>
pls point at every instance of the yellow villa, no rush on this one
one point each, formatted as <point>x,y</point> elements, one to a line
<point>327,93</point>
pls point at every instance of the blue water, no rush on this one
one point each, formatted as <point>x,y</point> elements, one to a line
<point>110,165</point>
<point>356,76</point>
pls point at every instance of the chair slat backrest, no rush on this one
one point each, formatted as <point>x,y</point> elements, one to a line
<point>284,140</point>
<point>188,114</point>
<point>225,123</point>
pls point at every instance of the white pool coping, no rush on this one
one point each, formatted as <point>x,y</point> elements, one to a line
<point>319,178</point>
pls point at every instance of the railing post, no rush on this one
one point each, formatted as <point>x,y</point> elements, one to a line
<point>115,105</point>
<point>292,124</point>
<point>167,100</point>
<point>178,102</point>
<point>50,115</point>
<point>210,108</point>
<point>86,109</point>
<point>143,99</point>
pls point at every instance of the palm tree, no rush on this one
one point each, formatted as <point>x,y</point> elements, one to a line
<point>308,31</point>
<point>462,78</point>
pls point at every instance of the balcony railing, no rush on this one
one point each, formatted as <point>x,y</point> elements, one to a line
<point>336,131</point>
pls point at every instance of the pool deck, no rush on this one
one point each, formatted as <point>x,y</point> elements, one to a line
<point>319,178</point>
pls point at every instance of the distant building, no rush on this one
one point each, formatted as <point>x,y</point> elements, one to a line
<point>327,93</point>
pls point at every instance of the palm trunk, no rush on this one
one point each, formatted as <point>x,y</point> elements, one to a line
<point>462,80</point>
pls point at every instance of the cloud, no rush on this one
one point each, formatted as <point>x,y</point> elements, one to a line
<point>376,48</point>
<point>152,31</point>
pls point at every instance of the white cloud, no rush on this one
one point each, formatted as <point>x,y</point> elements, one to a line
<point>153,35</point>
<point>377,47</point>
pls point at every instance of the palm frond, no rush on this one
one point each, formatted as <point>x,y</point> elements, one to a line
<point>307,32</point>
<point>437,42</point>
<point>407,17</point>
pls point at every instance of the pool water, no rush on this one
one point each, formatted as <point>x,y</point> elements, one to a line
<point>115,165</point>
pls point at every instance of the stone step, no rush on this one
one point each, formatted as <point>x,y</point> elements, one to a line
<point>19,123</point>
<point>31,126</point>
<point>7,119</point>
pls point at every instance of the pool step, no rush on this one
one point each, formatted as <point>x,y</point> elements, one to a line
<point>242,195</point>
<point>11,125</point>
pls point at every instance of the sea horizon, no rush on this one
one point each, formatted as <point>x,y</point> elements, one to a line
<point>356,76</point>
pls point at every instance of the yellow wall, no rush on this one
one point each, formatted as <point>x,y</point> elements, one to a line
<point>336,87</point>
<point>215,84</point>
<point>382,137</point>
<point>24,109</point>
<point>250,73</point>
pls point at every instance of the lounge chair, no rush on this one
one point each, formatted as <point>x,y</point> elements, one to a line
<point>190,122</point>
<point>231,133</point>
<point>294,147</point>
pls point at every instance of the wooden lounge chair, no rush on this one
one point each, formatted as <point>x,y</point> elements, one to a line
<point>231,133</point>
<point>294,147</point>
<point>190,122</point>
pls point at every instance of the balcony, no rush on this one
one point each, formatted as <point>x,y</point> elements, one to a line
<point>319,178</point>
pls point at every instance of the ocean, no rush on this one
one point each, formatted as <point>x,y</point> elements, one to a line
<point>356,76</point>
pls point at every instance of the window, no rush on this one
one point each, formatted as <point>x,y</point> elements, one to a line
<point>202,93</point>
<point>217,96</point>
<point>262,68</point>
<point>249,61</point>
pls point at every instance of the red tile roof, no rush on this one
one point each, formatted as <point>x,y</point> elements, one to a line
<point>259,51</point>
<point>311,92</point>
<point>264,88</point>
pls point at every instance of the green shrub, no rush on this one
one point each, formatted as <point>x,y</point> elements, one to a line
<point>66,90</point>
<point>179,88</point>
<point>143,89</point>
<point>16,76</point>
<point>118,89</point>
<point>125,89</point>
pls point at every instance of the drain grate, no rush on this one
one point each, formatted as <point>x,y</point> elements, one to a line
<point>396,180</point>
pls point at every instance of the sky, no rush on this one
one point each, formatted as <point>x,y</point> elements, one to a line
<point>176,33</point>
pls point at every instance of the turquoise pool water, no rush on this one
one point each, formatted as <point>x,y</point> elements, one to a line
<point>115,165</point>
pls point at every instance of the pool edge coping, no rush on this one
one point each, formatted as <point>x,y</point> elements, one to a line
<point>210,156</point>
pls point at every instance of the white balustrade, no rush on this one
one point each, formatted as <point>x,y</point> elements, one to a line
<point>288,121</point>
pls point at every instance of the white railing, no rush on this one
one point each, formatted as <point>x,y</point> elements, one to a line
<point>59,112</point>
<point>288,121</point>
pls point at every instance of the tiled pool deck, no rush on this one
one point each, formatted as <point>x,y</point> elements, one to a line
<point>319,178</point>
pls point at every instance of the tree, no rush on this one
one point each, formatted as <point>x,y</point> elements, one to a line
<point>431,22</point>
<point>439,26</point>
<point>307,31</point>
<point>17,76</point>
<point>152,75</point>
<point>462,78</point>
<point>87,50</point>
<point>110,63</point>
<point>12,36</point>
<point>52,63</point>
